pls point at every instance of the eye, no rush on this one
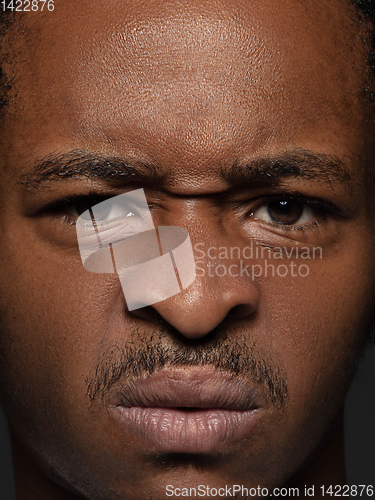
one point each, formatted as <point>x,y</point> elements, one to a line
<point>113,220</point>
<point>286,212</point>
<point>107,211</point>
<point>83,208</point>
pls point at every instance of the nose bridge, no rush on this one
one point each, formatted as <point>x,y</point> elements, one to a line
<point>184,264</point>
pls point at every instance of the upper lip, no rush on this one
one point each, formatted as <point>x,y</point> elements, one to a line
<point>190,388</point>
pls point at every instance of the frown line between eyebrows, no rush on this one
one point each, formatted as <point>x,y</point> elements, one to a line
<point>77,164</point>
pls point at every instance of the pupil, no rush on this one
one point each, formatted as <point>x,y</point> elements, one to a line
<point>285,212</point>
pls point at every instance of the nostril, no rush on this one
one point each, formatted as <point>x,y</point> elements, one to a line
<point>240,311</point>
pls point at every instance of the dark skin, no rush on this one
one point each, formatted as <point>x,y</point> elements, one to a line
<point>191,88</point>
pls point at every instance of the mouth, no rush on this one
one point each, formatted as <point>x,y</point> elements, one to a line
<point>188,410</point>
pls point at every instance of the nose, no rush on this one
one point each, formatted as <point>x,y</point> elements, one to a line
<point>196,311</point>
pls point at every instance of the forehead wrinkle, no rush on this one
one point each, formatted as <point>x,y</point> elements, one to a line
<point>153,70</point>
<point>194,79</point>
<point>125,91</point>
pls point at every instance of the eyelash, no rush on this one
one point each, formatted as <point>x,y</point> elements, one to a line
<point>314,225</point>
<point>326,210</point>
<point>89,200</point>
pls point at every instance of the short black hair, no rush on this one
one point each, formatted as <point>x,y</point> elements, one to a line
<point>365,10</point>
<point>367,7</point>
<point>7,18</point>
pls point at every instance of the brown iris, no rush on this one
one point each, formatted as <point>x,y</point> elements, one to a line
<point>285,211</point>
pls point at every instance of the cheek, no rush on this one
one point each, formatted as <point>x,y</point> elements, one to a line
<point>54,322</point>
<point>318,324</point>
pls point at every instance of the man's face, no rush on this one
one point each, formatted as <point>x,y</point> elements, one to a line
<point>242,123</point>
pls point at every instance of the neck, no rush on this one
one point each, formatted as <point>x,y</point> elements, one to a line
<point>327,467</point>
<point>31,482</point>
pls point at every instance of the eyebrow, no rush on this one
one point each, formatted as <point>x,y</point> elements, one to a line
<point>299,163</point>
<point>77,164</point>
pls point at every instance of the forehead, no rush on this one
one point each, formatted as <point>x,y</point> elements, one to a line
<point>141,77</point>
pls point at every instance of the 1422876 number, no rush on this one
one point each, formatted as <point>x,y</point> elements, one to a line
<point>27,5</point>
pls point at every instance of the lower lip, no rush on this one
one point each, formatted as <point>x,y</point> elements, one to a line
<point>193,431</point>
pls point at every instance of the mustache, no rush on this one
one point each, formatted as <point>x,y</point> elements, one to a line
<point>150,352</point>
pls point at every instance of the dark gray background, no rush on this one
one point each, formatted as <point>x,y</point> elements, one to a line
<point>360,433</point>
